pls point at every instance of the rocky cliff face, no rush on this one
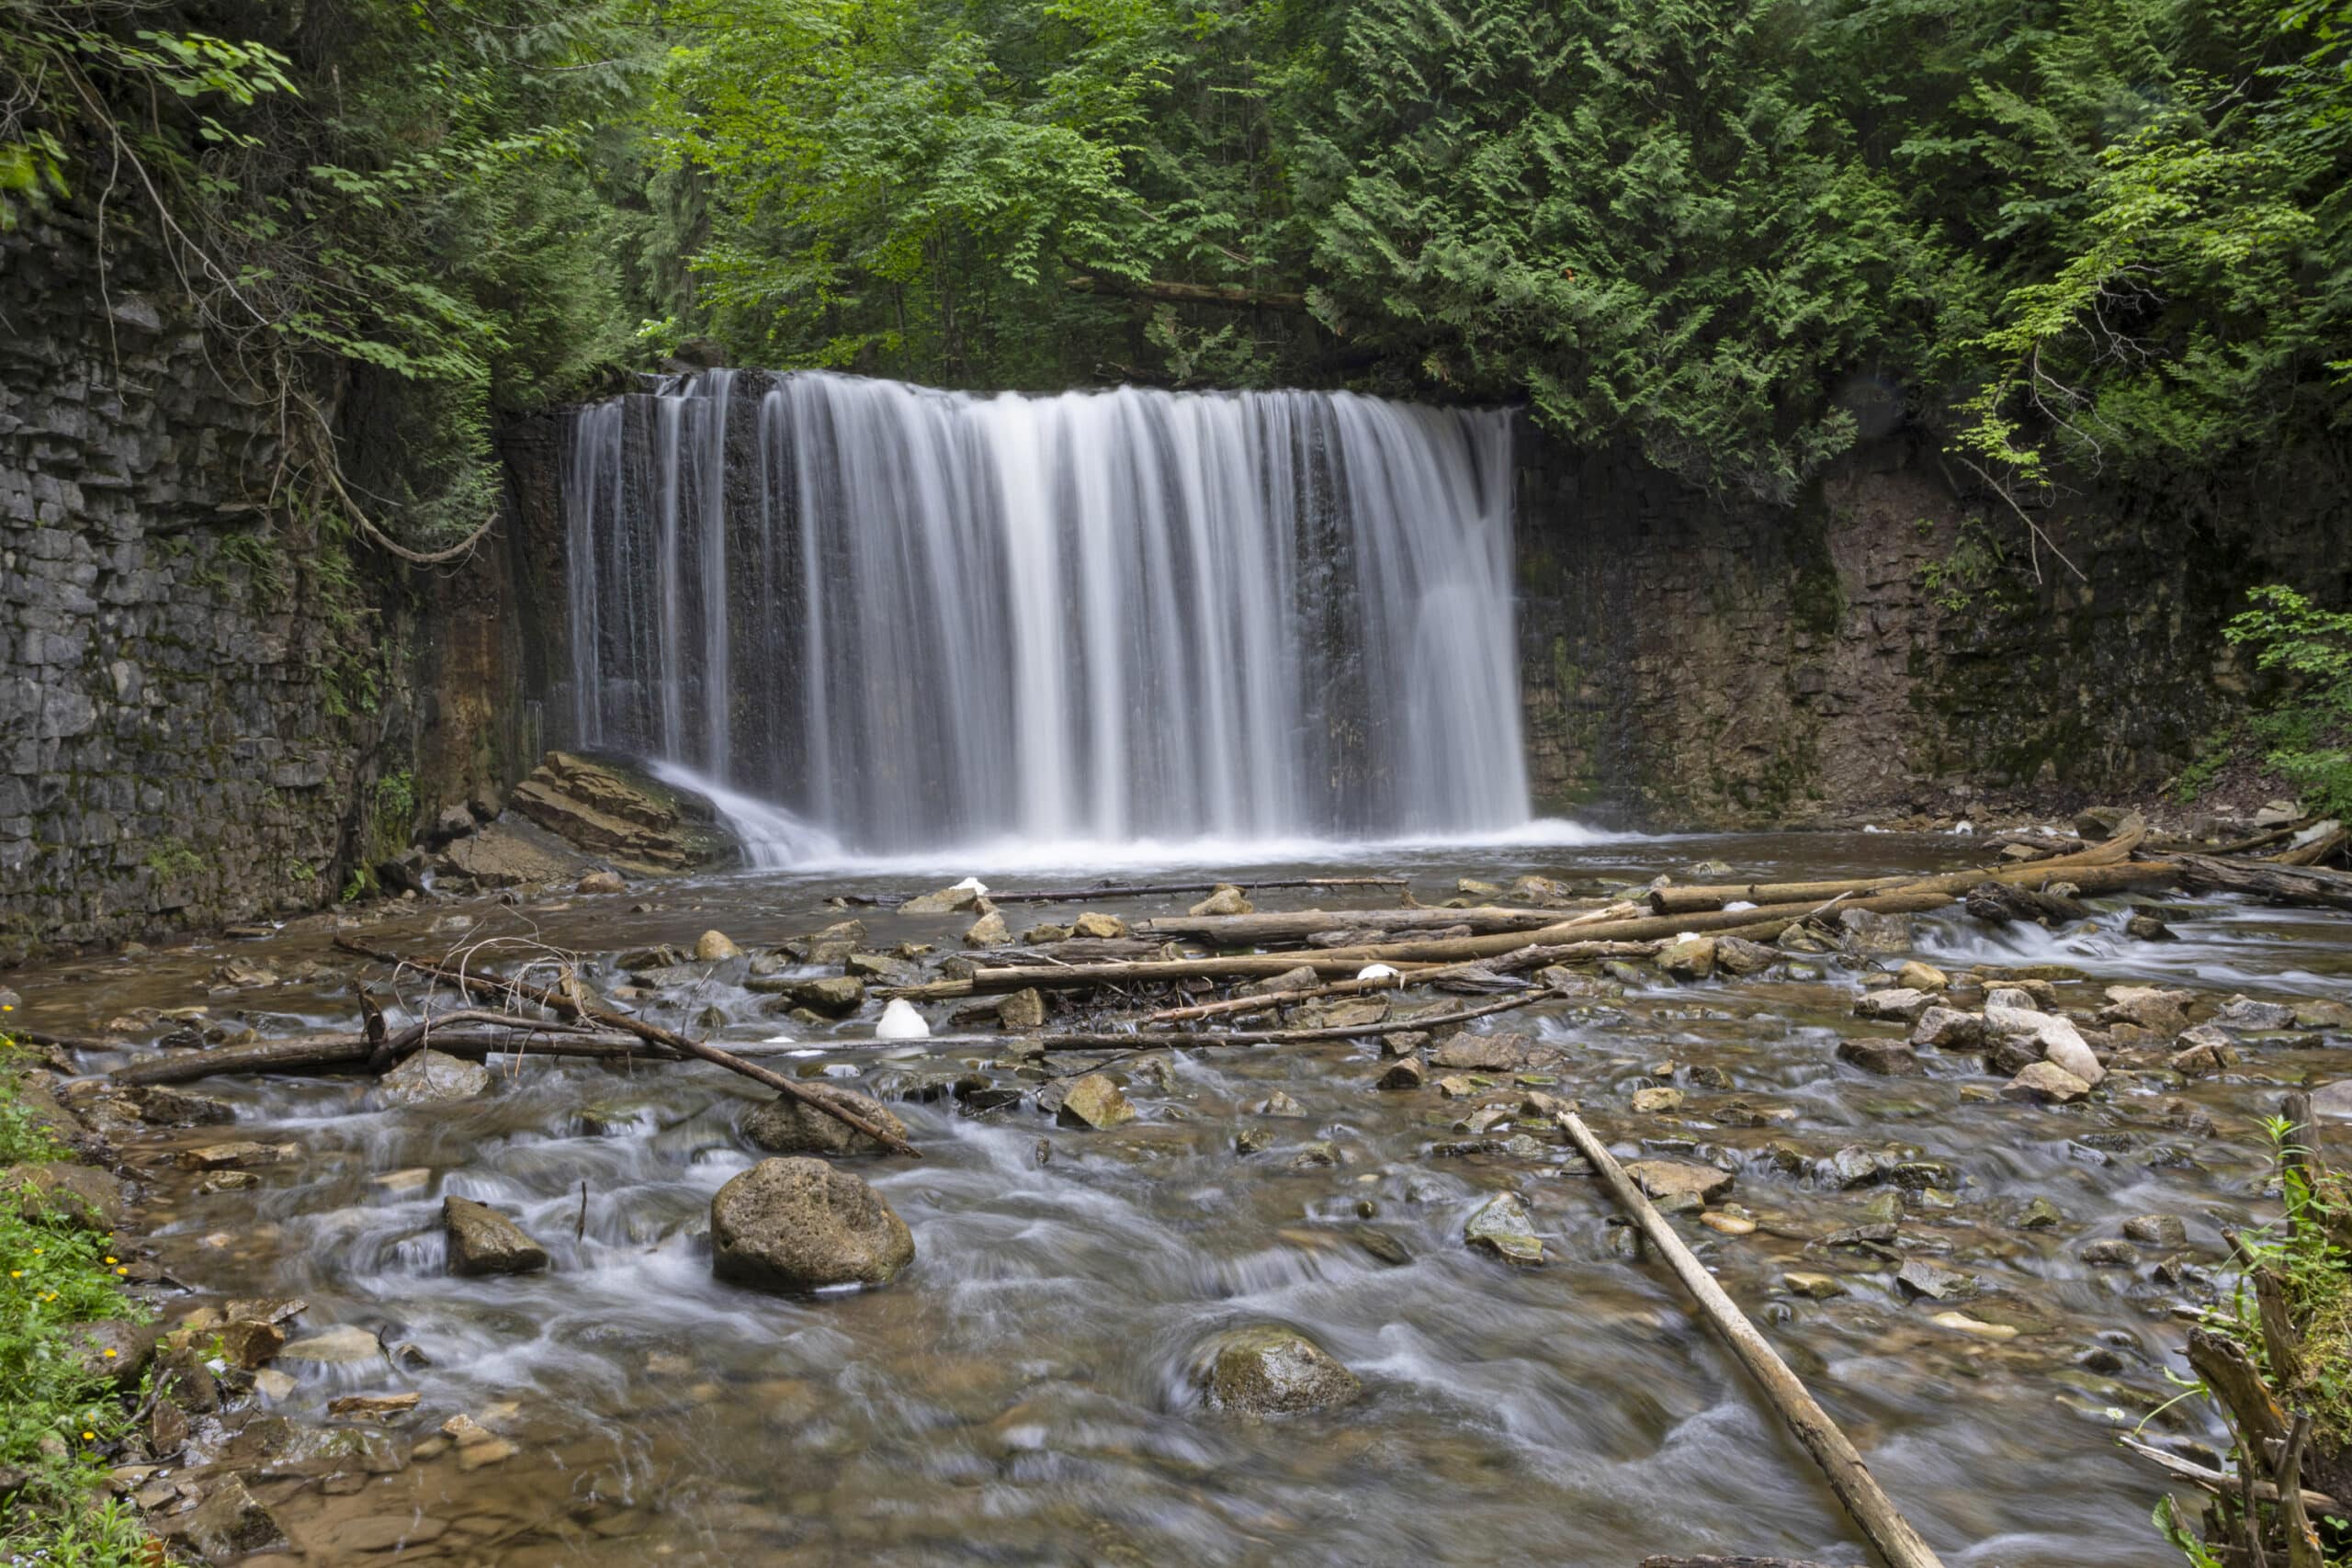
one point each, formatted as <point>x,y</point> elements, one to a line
<point>208,712</point>
<point>1888,646</point>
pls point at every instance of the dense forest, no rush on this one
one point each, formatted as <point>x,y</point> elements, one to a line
<point>2086,235</point>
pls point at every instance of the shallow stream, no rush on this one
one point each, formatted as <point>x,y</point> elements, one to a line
<point>1019,1395</point>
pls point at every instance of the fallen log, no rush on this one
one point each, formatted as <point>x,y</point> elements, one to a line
<point>1340,965</point>
<point>1303,1036</point>
<point>2266,879</point>
<point>1729,1562</point>
<point>1523,958</point>
<point>1866,1503</point>
<point>2081,869</point>
<point>2223,1483</point>
<point>2315,852</point>
<point>1258,930</point>
<point>1155,889</point>
<point>569,1006</point>
<point>315,1052</point>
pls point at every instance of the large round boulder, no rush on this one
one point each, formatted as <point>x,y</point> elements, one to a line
<point>1267,1370</point>
<point>801,1225</point>
<point>785,1126</point>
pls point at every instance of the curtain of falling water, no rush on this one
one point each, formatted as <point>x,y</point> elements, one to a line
<point>919,618</point>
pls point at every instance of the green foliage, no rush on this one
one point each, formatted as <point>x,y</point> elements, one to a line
<point>174,858</point>
<point>1954,580</point>
<point>2307,731</point>
<point>60,1413</point>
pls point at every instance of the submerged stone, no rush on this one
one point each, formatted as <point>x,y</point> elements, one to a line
<point>483,1241</point>
<point>1094,1101</point>
<point>1270,1370</point>
<point>1501,1225</point>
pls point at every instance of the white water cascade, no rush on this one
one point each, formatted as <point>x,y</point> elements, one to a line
<point>915,619</point>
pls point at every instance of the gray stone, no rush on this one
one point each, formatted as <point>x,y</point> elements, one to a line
<point>1270,1370</point>
<point>1663,1179</point>
<point>1094,1101</point>
<point>229,1524</point>
<point>2247,1014</point>
<point>802,1224</point>
<point>1501,1225</point>
<point>1887,1058</point>
<point>786,1126</point>
<point>483,1241</point>
<point>430,1078</point>
<point>2169,1232</point>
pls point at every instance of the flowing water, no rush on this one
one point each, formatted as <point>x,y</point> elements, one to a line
<point>911,618</point>
<point>1020,1396</point>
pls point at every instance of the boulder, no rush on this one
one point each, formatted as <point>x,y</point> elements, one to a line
<point>1281,1104</point>
<point>1657,1101</point>
<point>430,1077</point>
<point>785,1126</point>
<point>2057,1038</point>
<point>599,882</point>
<point>178,1107</point>
<point>2245,1014</point>
<point>1099,927</point>
<point>1493,1053</point>
<point>1895,1004</point>
<point>483,1241</point>
<point>1226,900</point>
<point>229,1524</point>
<point>1867,931</point>
<point>2145,927</point>
<point>2047,1083</point>
<point>632,818</point>
<point>1921,1277</point>
<point>1405,1072</point>
<point>1887,1058</point>
<point>2169,1232</point>
<point>2148,1007</point>
<point>988,930</point>
<point>716,947</point>
<point>1501,1225</point>
<point>1948,1029</point>
<point>953,900</point>
<point>1094,1101</point>
<point>1674,1178</point>
<point>1918,976</point>
<point>835,942</point>
<point>1302,978</point>
<point>1022,1013</point>
<point>241,1156</point>
<point>1270,1370</point>
<point>836,996</point>
<point>802,1224</point>
<point>1738,955</point>
<point>1812,1286</point>
<point>1689,958</point>
<point>82,1194</point>
<point>344,1345</point>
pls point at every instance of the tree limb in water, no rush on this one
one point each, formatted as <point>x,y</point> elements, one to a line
<point>566,1007</point>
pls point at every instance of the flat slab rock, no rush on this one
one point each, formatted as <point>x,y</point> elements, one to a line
<point>1675,1178</point>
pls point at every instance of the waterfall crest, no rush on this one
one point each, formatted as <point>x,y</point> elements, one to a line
<point>915,618</point>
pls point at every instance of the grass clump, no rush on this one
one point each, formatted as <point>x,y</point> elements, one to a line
<point>60,1413</point>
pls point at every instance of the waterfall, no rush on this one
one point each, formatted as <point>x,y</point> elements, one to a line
<point>913,619</point>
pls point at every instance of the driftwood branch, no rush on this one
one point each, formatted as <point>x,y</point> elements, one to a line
<point>1866,1503</point>
<point>566,1007</point>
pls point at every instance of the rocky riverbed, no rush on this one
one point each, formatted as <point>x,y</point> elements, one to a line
<point>1200,1305</point>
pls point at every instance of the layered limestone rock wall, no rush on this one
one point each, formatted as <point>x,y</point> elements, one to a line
<point>1887,647</point>
<point>207,713</point>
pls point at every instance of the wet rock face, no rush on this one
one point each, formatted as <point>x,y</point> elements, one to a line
<point>801,1225</point>
<point>1270,1370</point>
<point>785,1126</point>
<point>483,1241</point>
<point>606,808</point>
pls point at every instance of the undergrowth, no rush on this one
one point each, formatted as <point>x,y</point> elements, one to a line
<point>59,1413</point>
<point>2306,731</point>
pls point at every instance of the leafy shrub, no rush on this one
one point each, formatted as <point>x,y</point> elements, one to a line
<point>2306,732</point>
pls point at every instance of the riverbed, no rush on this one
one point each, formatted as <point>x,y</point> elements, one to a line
<point>1021,1395</point>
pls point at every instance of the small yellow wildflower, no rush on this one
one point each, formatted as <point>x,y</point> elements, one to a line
<point>111,1355</point>
<point>122,1270</point>
<point>16,1273</point>
<point>110,1259</point>
<point>89,1437</point>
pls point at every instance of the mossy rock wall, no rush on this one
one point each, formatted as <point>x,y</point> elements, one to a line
<point>1888,643</point>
